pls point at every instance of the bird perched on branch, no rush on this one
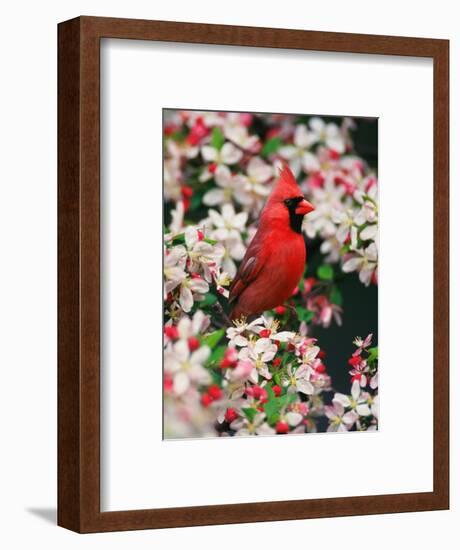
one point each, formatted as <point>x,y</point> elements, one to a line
<point>275,259</point>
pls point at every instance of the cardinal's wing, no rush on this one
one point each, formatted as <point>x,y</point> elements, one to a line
<point>249,269</point>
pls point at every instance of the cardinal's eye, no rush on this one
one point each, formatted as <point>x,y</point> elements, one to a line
<point>292,202</point>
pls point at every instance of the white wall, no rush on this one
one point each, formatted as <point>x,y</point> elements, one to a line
<point>28,270</point>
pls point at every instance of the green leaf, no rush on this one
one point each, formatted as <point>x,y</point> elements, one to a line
<point>179,135</point>
<point>270,392</point>
<point>216,356</point>
<point>336,296</point>
<point>373,354</point>
<point>209,300</point>
<point>302,284</point>
<point>272,412</point>
<point>304,314</point>
<point>250,413</point>
<point>216,376</point>
<point>179,239</point>
<point>197,199</point>
<point>271,146</point>
<point>217,138</point>
<point>272,406</point>
<point>325,272</point>
<point>211,340</point>
<point>273,418</point>
<point>286,358</point>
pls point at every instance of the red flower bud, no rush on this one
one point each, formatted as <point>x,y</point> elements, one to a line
<point>265,333</point>
<point>170,129</point>
<point>230,358</point>
<point>171,332</point>
<point>193,343</point>
<point>206,399</point>
<point>258,393</point>
<point>280,310</point>
<point>215,392</point>
<point>186,191</point>
<point>320,368</point>
<point>355,360</point>
<point>276,362</point>
<point>230,415</point>
<point>273,132</point>
<point>212,167</point>
<point>334,155</point>
<point>276,390</point>
<point>282,427</point>
<point>309,283</point>
<point>167,384</point>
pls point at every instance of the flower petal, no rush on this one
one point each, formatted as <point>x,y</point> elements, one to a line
<point>341,399</point>
<point>230,154</point>
<point>363,410</point>
<point>214,197</point>
<point>209,153</point>
<point>186,298</point>
<point>294,418</point>
<point>181,383</point>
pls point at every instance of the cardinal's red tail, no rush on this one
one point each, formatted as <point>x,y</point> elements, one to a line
<point>237,313</point>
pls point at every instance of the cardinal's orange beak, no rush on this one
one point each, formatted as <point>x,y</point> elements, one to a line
<point>304,207</point>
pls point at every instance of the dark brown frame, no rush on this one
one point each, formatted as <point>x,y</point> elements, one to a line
<point>78,292</point>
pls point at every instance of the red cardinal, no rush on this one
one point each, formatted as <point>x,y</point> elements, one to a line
<point>275,260</point>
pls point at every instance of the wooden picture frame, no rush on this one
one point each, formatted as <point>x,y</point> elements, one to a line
<point>79,274</point>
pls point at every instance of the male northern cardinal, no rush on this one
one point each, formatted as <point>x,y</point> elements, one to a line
<point>275,260</point>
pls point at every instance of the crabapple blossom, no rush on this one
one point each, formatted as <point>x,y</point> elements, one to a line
<point>339,420</point>
<point>186,367</point>
<point>260,352</point>
<point>172,179</point>
<point>239,135</point>
<point>356,402</point>
<point>254,186</point>
<point>362,344</point>
<point>229,154</point>
<point>327,133</point>
<point>174,264</point>
<point>364,261</point>
<point>191,288</point>
<point>298,380</point>
<point>298,154</point>
<point>325,311</point>
<point>268,328</point>
<point>235,334</point>
<point>198,324</point>
<point>244,427</point>
<point>227,184</point>
<point>226,227</point>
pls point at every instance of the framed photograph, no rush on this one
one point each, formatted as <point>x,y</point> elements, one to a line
<point>253,274</point>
